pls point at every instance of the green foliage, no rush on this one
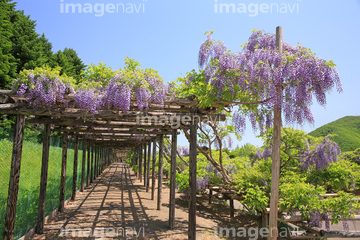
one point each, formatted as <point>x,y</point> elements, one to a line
<point>23,48</point>
<point>7,60</point>
<point>96,76</point>
<point>6,126</point>
<point>182,181</point>
<point>134,76</point>
<point>298,195</point>
<point>353,156</point>
<point>70,64</point>
<point>342,175</point>
<point>197,86</point>
<point>52,73</point>
<point>299,190</point>
<point>346,132</point>
<point>242,151</point>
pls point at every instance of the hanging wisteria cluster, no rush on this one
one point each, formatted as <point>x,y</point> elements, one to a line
<point>254,75</point>
<point>183,150</point>
<point>130,83</point>
<point>317,218</point>
<point>324,153</point>
<point>263,154</point>
<point>42,90</point>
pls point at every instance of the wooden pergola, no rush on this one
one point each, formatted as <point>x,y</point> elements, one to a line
<point>102,134</point>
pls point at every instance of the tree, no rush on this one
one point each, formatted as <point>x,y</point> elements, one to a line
<point>70,63</point>
<point>7,60</point>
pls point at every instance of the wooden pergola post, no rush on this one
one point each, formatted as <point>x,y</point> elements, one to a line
<point>141,162</point>
<point>160,170</point>
<point>83,166</point>
<point>275,174</point>
<point>63,172</point>
<point>134,157</point>
<point>96,162</point>
<point>153,170</point>
<point>88,165</point>
<point>138,156</point>
<point>172,179</point>
<point>148,168</point>
<point>102,150</point>
<point>43,182</point>
<point>14,178</point>
<point>92,164</point>
<point>192,181</point>
<point>145,164</point>
<point>76,153</point>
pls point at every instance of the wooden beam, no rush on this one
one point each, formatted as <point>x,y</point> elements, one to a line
<point>43,183</point>
<point>160,171</point>
<point>127,132</point>
<point>153,170</point>
<point>83,166</point>
<point>63,172</point>
<point>192,182</point>
<point>275,174</point>
<point>95,123</point>
<point>148,167</point>
<point>172,180</point>
<point>14,178</point>
<point>75,172</point>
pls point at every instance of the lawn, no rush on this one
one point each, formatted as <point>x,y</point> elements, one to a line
<point>28,197</point>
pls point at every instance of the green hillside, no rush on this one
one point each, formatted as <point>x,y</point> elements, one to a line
<point>347,130</point>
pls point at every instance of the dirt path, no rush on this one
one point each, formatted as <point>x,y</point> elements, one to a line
<point>117,206</point>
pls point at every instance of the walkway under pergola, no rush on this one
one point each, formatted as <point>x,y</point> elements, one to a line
<point>104,133</point>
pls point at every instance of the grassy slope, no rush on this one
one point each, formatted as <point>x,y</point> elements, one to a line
<point>28,197</point>
<point>347,130</point>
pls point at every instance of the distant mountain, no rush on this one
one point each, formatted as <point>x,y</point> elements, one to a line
<point>347,130</point>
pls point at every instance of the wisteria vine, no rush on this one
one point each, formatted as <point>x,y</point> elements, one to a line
<point>253,75</point>
<point>130,83</point>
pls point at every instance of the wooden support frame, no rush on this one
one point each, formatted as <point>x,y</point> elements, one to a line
<point>63,172</point>
<point>43,182</point>
<point>14,178</point>
<point>172,179</point>
<point>75,170</point>
<point>210,196</point>
<point>160,171</point>
<point>145,164</point>
<point>83,166</point>
<point>192,181</point>
<point>148,167</point>
<point>141,163</point>
<point>92,165</point>
<point>232,210</point>
<point>153,170</point>
<point>88,165</point>
<point>96,162</point>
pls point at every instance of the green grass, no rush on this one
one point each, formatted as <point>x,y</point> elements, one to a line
<point>347,130</point>
<point>28,197</point>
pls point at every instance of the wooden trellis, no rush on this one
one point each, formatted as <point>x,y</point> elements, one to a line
<point>101,134</point>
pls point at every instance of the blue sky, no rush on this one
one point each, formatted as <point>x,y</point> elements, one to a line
<point>166,35</point>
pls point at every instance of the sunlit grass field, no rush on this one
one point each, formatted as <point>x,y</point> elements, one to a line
<point>28,197</point>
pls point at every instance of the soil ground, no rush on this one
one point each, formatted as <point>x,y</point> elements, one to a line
<point>117,206</point>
